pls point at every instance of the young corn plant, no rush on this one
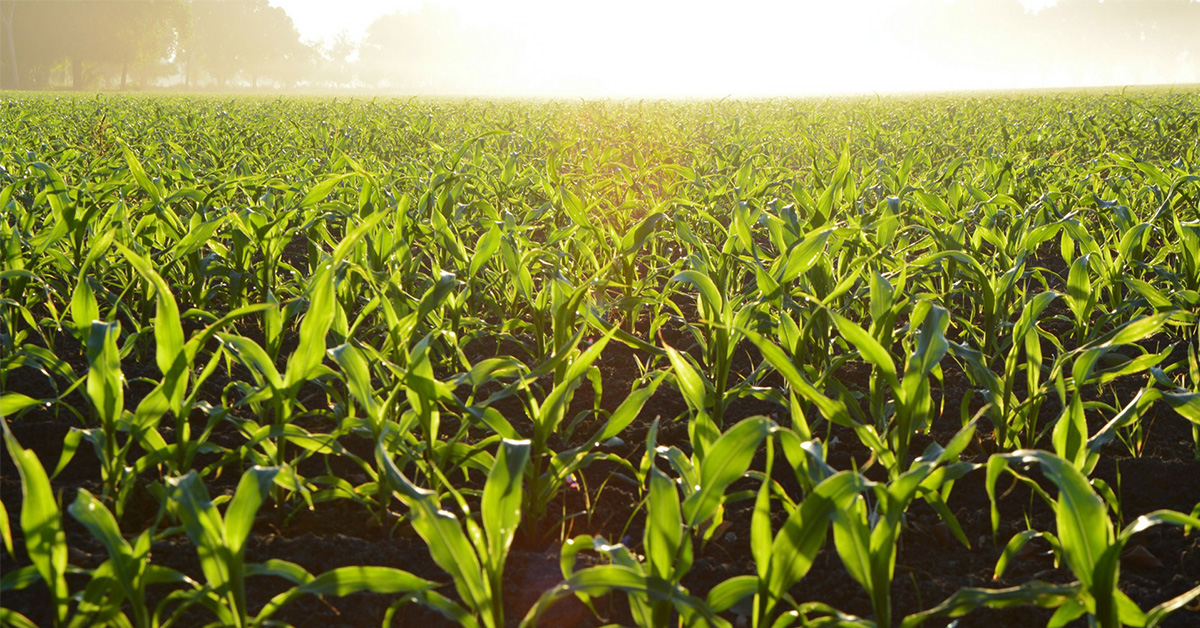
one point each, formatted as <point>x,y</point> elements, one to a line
<point>1185,398</point>
<point>220,543</point>
<point>1070,432</point>
<point>127,573</point>
<point>1086,541</point>
<point>717,334</point>
<point>912,404</point>
<point>474,554</point>
<point>1013,418</point>
<point>45,540</point>
<point>653,582</point>
<point>118,583</point>
<point>106,390</point>
<point>280,390</point>
<point>658,593</point>
<point>176,392</point>
<point>867,536</point>
<point>782,558</point>
<point>835,411</point>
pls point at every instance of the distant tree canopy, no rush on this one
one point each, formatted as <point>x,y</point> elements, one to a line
<point>103,42</point>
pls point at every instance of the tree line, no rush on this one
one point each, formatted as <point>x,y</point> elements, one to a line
<point>224,44</point>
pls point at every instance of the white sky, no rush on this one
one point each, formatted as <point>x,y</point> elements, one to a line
<point>733,47</point>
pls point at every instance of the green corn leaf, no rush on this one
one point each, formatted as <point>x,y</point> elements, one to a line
<point>664,530</point>
<point>1083,526</point>
<point>833,191</point>
<point>280,569</point>
<point>41,523</point>
<point>254,357</point>
<point>1159,517</point>
<point>310,351</point>
<point>12,404</point>
<point>9,617</point>
<point>1011,549</point>
<point>448,544</point>
<point>1155,297</point>
<point>197,237</point>
<point>104,386</point>
<point>84,308</point>
<point>628,410</point>
<point>834,411</point>
<point>803,256</point>
<point>1133,241</point>
<point>168,329</point>
<point>349,580</point>
<point>247,499</point>
<point>71,443</point>
<point>1157,615</point>
<point>358,377</point>
<point>501,504</point>
<point>931,348</point>
<point>436,294</point>
<point>806,528</point>
<point>690,382</point>
<point>968,599</point>
<point>633,241</point>
<point>197,341</point>
<point>20,579</point>
<point>6,530</point>
<point>580,365</point>
<point>555,404</point>
<point>852,539</point>
<point>351,239</point>
<point>1128,415</point>
<point>1032,311</point>
<point>127,563</point>
<point>868,348</point>
<point>322,190</point>
<point>1131,332</point>
<point>1187,404</point>
<point>710,296</point>
<point>203,526</point>
<point>728,593</point>
<point>724,463</point>
<point>760,521</point>
<point>1070,434</point>
<point>882,295</point>
<point>139,175</point>
<point>601,579</point>
<point>487,247</point>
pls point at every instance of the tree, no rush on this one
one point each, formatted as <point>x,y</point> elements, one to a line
<point>336,67</point>
<point>247,38</point>
<point>9,75</point>
<point>42,34</point>
<point>275,49</point>
<point>425,52</point>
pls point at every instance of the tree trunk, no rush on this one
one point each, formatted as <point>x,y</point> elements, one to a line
<point>124,74</point>
<point>12,47</point>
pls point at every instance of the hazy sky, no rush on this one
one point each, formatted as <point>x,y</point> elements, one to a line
<point>777,47</point>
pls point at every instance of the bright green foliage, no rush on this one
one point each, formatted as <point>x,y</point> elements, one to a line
<point>455,315</point>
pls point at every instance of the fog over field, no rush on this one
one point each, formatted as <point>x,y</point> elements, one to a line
<point>615,48</point>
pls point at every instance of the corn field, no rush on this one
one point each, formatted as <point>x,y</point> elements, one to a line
<point>902,361</point>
